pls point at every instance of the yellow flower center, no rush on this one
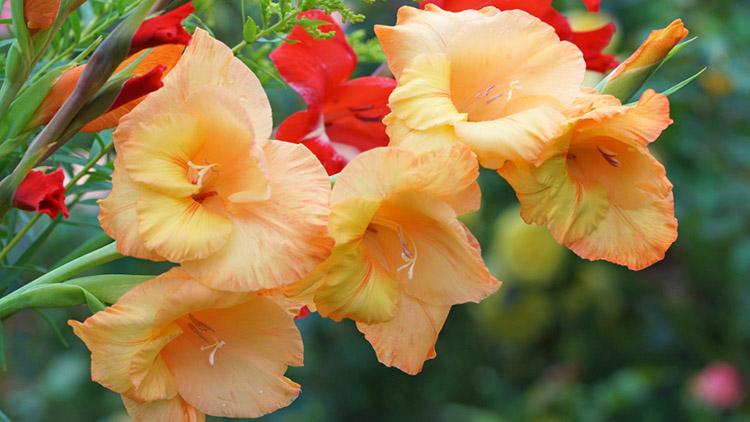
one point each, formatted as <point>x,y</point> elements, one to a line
<point>408,248</point>
<point>485,104</point>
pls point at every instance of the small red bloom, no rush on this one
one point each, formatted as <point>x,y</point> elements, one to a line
<point>591,43</point>
<point>140,86</point>
<point>163,29</point>
<point>42,193</point>
<point>344,117</point>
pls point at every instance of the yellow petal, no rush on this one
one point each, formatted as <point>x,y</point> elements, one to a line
<point>518,137</point>
<point>404,137</point>
<point>356,286</point>
<point>162,411</point>
<point>422,99</point>
<point>244,376</point>
<point>117,216</point>
<point>408,340</point>
<point>550,198</point>
<point>180,229</point>
<point>278,241</point>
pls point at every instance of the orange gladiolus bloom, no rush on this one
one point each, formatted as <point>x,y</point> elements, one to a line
<point>496,81</point>
<point>402,258</point>
<point>198,182</point>
<point>172,346</point>
<point>597,188</point>
<point>165,55</point>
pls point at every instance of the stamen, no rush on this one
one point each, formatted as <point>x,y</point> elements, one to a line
<point>513,85</point>
<point>200,328</point>
<point>198,172</point>
<point>610,157</point>
<point>214,348</point>
<point>410,260</point>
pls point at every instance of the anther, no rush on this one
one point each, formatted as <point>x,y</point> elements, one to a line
<point>610,157</point>
<point>199,172</point>
<point>409,258</point>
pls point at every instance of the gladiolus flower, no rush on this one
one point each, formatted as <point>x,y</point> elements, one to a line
<point>147,78</point>
<point>401,258</point>
<point>591,42</point>
<point>344,117</point>
<point>163,29</point>
<point>469,77</point>
<point>719,385</point>
<point>597,188</point>
<point>42,193</point>
<point>173,346</point>
<point>197,181</point>
<point>628,77</point>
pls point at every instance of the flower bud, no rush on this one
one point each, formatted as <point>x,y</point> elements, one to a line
<point>43,193</point>
<point>163,29</point>
<point>40,14</point>
<point>628,77</point>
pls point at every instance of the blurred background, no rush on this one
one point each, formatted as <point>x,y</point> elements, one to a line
<point>564,339</point>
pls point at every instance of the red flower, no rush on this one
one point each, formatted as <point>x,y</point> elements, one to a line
<point>303,312</point>
<point>591,43</point>
<point>43,193</point>
<point>140,86</point>
<point>344,117</point>
<point>163,29</point>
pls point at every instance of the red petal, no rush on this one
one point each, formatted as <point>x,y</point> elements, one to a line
<point>592,5</point>
<point>139,86</point>
<point>163,29</point>
<point>354,115</point>
<point>42,193</point>
<point>303,312</point>
<point>313,67</point>
<point>592,43</point>
<point>306,128</point>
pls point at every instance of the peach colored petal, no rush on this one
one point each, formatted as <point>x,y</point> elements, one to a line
<point>638,125</point>
<point>404,137</point>
<point>408,340</point>
<point>246,376</point>
<point>174,409</point>
<point>422,31</point>
<point>518,137</point>
<point>449,268</point>
<point>209,63</point>
<point>117,216</point>
<point>279,241</point>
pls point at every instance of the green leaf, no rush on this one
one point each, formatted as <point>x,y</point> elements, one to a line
<point>249,31</point>
<point>4,417</point>
<point>684,83</point>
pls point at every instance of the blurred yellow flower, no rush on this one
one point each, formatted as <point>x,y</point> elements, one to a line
<point>524,252</point>
<point>470,77</point>
<point>172,346</point>
<point>597,188</point>
<point>197,181</point>
<point>402,258</point>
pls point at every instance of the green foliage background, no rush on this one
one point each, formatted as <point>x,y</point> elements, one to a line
<point>566,339</point>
